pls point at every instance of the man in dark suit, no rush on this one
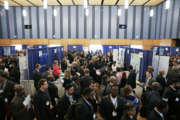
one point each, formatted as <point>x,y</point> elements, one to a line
<point>132,77</point>
<point>159,111</point>
<point>42,102</point>
<point>161,79</point>
<point>19,110</point>
<point>111,107</point>
<point>36,75</point>
<point>47,72</point>
<point>65,102</point>
<point>170,95</point>
<point>6,94</point>
<point>84,109</point>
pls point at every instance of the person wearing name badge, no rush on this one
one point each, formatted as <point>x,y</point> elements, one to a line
<point>37,75</point>
<point>65,102</point>
<point>170,95</point>
<point>129,112</point>
<point>6,95</point>
<point>112,106</point>
<point>42,102</point>
<point>159,112</point>
<point>84,110</point>
<point>20,106</point>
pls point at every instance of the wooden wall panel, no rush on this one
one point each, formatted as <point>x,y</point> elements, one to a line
<point>147,44</point>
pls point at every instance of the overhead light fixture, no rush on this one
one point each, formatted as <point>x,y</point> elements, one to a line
<point>6,5</point>
<point>24,13</point>
<point>126,4</point>
<point>151,13</point>
<point>85,4</point>
<point>119,12</point>
<point>45,5</point>
<point>55,12</point>
<point>167,6</point>
<point>86,12</point>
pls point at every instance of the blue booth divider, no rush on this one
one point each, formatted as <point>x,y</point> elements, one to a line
<point>40,46</point>
<point>107,48</point>
<point>44,57</point>
<point>75,48</point>
<point>7,50</point>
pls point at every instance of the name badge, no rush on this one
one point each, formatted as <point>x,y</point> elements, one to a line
<point>1,91</point>
<point>94,116</point>
<point>5,100</point>
<point>114,114</point>
<point>47,103</point>
<point>177,99</point>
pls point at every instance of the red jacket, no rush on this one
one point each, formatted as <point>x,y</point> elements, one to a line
<point>56,70</point>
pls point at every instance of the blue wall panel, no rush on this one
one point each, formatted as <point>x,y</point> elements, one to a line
<point>26,22</point>
<point>146,23</point>
<point>97,21</point>
<point>138,22</point>
<point>113,21</point>
<point>163,22</point>
<point>11,23</point>
<point>73,22</point>
<point>41,23</point>
<point>49,22</point>
<point>105,21</point>
<point>81,21</point>
<point>34,22</point>
<point>57,23</point>
<point>89,25</point>
<point>65,21</point>
<point>130,23</point>
<point>153,24</point>
<point>122,21</point>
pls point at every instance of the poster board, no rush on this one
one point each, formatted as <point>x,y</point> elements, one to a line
<point>23,66</point>
<point>121,57</point>
<point>135,62</point>
<point>116,56</point>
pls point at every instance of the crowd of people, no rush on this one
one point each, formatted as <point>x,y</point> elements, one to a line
<point>96,88</point>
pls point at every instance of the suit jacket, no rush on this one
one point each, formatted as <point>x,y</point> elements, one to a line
<point>154,116</point>
<point>62,106</point>
<point>132,79</point>
<point>45,74</point>
<point>161,80</point>
<point>18,111</point>
<point>84,111</point>
<point>107,108</point>
<point>126,117</point>
<point>42,106</point>
<point>36,77</point>
<point>53,92</point>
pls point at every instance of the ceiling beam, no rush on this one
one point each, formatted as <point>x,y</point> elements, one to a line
<point>131,2</point>
<point>59,2</point>
<point>116,2</point>
<point>17,3</point>
<point>73,2</point>
<point>30,2</point>
<point>146,2</point>
<point>102,2</point>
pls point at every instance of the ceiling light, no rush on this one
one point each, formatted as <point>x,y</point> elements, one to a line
<point>85,3</point>
<point>86,12</point>
<point>6,5</point>
<point>119,12</point>
<point>24,13</point>
<point>167,6</point>
<point>126,4</point>
<point>45,5</point>
<point>151,13</point>
<point>55,12</point>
